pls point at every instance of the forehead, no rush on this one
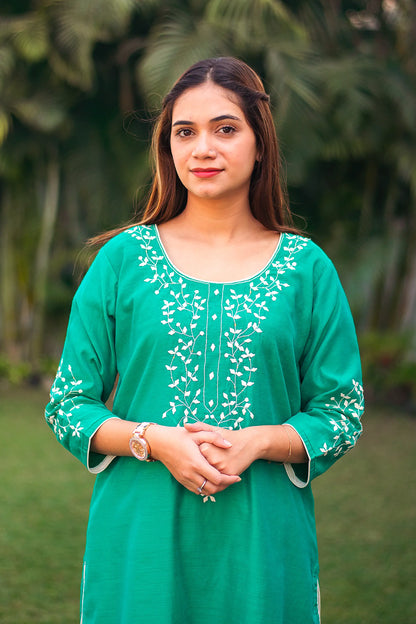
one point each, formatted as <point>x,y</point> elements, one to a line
<point>206,101</point>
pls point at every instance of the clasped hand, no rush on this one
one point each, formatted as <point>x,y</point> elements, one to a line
<point>200,454</point>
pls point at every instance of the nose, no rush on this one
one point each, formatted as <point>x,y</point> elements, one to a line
<point>203,147</point>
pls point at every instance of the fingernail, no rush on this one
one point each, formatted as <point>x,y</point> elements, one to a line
<point>227,443</point>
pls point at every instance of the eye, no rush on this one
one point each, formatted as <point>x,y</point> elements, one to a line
<point>227,130</point>
<point>183,132</point>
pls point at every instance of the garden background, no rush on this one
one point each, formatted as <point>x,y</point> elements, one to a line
<point>80,84</point>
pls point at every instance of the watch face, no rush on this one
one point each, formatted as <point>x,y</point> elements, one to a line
<point>138,448</point>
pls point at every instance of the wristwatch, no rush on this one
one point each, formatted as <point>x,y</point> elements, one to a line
<point>139,446</point>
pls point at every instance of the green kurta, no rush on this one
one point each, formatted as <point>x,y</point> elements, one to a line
<point>279,347</point>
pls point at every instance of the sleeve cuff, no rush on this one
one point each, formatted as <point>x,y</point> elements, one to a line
<point>96,462</point>
<point>299,474</point>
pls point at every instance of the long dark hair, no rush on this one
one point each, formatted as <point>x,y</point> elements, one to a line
<point>168,196</point>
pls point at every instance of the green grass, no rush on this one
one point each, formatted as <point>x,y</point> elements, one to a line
<point>366,517</point>
<point>43,516</point>
<point>365,506</point>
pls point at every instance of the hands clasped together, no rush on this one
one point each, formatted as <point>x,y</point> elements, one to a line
<point>204,459</point>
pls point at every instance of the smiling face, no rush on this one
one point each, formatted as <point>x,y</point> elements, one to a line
<point>213,147</point>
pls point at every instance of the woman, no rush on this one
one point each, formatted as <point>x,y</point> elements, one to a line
<point>239,378</point>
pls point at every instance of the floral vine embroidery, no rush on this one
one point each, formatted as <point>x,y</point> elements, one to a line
<point>63,392</point>
<point>186,316</point>
<point>347,427</point>
<point>209,497</point>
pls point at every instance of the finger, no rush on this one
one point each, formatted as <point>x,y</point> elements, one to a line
<point>210,489</point>
<point>211,437</point>
<point>214,456</point>
<point>198,426</point>
<point>218,478</point>
<point>210,473</point>
<point>200,489</point>
<point>204,448</point>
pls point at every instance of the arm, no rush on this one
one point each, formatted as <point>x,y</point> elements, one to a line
<point>88,367</point>
<point>175,447</point>
<point>277,443</point>
<point>329,419</point>
<point>77,412</point>
<point>328,423</point>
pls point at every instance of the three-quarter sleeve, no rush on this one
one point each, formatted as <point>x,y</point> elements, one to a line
<point>332,400</point>
<point>88,368</point>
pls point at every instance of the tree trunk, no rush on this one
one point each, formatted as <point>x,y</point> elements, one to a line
<point>408,292</point>
<point>48,221</point>
<point>8,325</point>
<point>370,186</point>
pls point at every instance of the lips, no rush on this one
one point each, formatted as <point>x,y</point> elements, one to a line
<point>205,173</point>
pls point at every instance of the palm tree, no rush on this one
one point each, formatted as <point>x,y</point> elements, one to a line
<point>47,68</point>
<point>72,74</point>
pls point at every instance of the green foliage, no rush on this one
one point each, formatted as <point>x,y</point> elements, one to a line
<point>13,372</point>
<point>173,45</point>
<point>389,373</point>
<point>17,373</point>
<point>80,80</point>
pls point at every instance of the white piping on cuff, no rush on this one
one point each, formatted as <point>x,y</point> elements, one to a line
<point>289,467</point>
<point>106,461</point>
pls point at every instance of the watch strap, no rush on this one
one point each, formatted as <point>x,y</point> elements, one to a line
<point>138,433</point>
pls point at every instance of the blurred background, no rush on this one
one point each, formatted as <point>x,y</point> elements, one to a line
<point>81,82</point>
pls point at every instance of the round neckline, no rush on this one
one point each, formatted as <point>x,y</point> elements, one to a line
<point>220,283</point>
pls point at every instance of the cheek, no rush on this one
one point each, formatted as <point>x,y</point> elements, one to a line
<point>176,160</point>
<point>178,154</point>
<point>245,152</point>
<point>245,160</point>
<point>179,163</point>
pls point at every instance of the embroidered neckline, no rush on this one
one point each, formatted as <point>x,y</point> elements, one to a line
<point>201,336</point>
<point>220,283</point>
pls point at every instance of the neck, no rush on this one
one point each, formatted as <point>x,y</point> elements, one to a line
<point>218,220</point>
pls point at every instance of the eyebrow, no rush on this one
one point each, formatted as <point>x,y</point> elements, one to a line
<point>182,122</point>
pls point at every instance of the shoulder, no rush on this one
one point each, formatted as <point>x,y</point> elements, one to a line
<point>309,261</point>
<point>130,238</point>
<point>118,254</point>
<point>307,252</point>
<point>126,245</point>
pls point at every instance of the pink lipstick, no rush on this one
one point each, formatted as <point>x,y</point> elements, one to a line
<point>205,173</point>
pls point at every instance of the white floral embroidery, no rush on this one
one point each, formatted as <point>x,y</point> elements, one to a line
<point>200,334</point>
<point>347,427</point>
<point>209,497</point>
<point>63,391</point>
